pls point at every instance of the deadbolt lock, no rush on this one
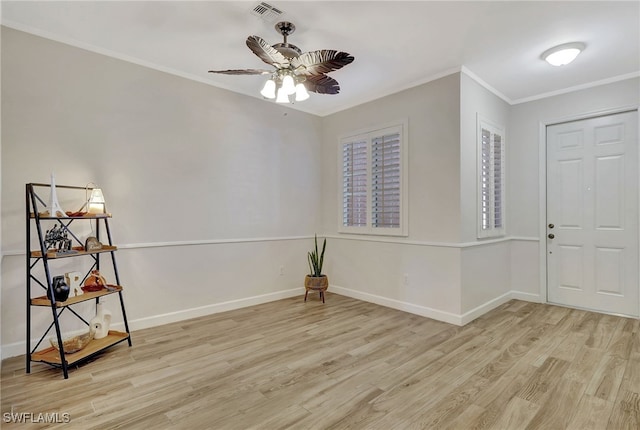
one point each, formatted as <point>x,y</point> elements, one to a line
<point>551,225</point>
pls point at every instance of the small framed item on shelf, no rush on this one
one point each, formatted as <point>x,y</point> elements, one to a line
<point>92,244</point>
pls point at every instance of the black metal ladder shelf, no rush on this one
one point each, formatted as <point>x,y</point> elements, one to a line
<point>44,257</point>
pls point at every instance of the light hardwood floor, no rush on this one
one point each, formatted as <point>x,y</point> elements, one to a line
<point>348,364</point>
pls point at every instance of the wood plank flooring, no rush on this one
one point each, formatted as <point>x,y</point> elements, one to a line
<point>348,364</point>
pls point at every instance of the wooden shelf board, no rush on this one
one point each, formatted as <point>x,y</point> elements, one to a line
<point>52,355</point>
<point>44,301</point>
<point>92,216</point>
<point>53,254</point>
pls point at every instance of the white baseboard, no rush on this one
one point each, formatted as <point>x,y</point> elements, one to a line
<point>436,314</point>
<point>19,348</point>
<point>469,316</point>
<point>526,297</point>
<point>399,305</point>
<point>186,314</point>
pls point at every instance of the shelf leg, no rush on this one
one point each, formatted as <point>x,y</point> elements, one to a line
<point>28,271</point>
<point>115,270</point>
<point>60,344</point>
<point>124,317</point>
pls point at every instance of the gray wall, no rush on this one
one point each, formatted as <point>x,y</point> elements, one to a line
<point>214,192</point>
<point>523,157</point>
<point>407,273</point>
<point>433,113</point>
<point>211,192</point>
<point>526,119</point>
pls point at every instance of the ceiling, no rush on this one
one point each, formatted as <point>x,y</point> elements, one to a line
<point>396,44</point>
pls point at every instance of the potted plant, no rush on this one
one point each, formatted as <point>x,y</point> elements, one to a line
<point>315,280</point>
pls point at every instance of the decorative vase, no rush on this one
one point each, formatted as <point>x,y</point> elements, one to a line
<point>94,282</point>
<point>60,289</point>
<point>101,322</point>
<point>316,283</point>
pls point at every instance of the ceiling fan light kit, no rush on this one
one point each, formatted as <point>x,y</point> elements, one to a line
<point>296,73</point>
<point>269,89</point>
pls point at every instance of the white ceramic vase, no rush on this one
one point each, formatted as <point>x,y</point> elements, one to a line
<point>101,322</point>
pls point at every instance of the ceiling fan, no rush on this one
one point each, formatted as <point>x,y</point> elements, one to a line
<point>295,72</point>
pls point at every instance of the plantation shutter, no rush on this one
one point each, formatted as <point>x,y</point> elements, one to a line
<point>485,179</point>
<point>497,181</point>
<point>373,181</point>
<point>386,180</point>
<point>354,183</point>
<point>491,181</point>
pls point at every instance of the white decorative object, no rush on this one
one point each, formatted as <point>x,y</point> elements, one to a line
<point>101,322</point>
<point>96,203</point>
<point>54,206</point>
<point>74,281</point>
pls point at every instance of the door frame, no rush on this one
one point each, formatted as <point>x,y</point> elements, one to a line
<point>542,185</point>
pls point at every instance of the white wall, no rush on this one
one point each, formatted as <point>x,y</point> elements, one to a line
<point>433,112</point>
<point>485,268</point>
<point>1,255</point>
<point>230,179</point>
<point>212,192</point>
<point>374,268</point>
<point>375,271</point>
<point>475,100</point>
<point>525,141</point>
<point>524,204</point>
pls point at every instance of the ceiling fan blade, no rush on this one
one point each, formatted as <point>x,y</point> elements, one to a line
<point>322,84</point>
<point>320,62</point>
<point>243,72</point>
<point>266,52</point>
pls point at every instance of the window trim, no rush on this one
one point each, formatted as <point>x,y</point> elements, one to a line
<point>376,131</point>
<point>494,129</point>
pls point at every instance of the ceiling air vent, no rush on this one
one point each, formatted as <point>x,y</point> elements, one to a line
<point>267,12</point>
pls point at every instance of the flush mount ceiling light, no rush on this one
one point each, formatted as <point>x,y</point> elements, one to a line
<point>295,72</point>
<point>563,54</point>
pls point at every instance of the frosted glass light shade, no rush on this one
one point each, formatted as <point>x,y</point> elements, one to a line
<point>269,89</point>
<point>96,203</point>
<point>282,96</point>
<point>288,86</point>
<point>563,54</point>
<point>301,93</point>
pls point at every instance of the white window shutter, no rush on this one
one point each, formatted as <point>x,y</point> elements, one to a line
<point>374,181</point>
<point>485,179</point>
<point>386,181</point>
<point>491,180</point>
<point>498,179</point>
<point>354,183</point>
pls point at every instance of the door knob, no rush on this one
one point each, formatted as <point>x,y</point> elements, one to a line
<point>551,225</point>
<point>551,236</point>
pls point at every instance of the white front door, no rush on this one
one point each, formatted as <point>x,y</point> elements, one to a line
<point>592,214</point>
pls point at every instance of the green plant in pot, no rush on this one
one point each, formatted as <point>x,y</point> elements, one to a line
<point>315,280</point>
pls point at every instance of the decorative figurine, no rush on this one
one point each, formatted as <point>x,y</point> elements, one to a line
<point>54,206</point>
<point>58,239</point>
<point>74,281</point>
<point>60,289</point>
